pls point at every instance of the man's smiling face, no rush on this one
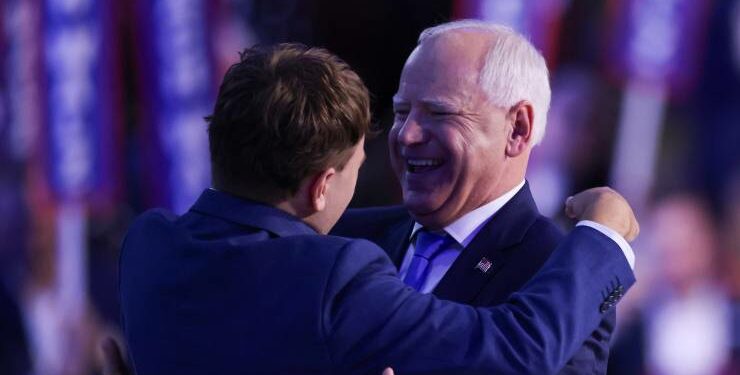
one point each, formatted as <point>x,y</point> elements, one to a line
<point>448,141</point>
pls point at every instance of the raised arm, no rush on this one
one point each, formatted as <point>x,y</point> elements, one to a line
<point>536,331</point>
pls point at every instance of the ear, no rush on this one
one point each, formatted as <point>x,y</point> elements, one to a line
<point>319,188</point>
<point>520,136</point>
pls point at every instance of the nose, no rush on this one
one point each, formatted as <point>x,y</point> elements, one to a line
<point>411,132</point>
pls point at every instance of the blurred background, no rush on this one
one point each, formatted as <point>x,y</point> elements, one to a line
<point>101,117</point>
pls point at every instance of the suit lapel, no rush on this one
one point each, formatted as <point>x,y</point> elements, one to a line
<point>495,242</point>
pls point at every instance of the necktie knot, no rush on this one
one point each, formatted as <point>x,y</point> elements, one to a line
<point>428,244</point>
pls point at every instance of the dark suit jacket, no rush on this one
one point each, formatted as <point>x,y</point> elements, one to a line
<point>518,241</point>
<point>236,287</point>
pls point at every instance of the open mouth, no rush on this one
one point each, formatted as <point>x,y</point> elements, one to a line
<point>422,165</point>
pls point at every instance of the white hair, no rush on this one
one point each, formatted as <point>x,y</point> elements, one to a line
<point>513,70</point>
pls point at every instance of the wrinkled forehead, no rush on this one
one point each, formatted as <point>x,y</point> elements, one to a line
<point>461,48</point>
<point>445,65</point>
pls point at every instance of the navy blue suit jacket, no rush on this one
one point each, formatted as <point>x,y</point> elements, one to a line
<point>236,287</point>
<point>518,241</point>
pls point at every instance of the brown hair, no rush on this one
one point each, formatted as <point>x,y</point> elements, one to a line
<point>283,113</point>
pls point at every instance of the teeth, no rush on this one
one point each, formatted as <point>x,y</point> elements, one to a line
<point>423,162</point>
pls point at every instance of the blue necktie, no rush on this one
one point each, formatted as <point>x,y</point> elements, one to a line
<point>427,246</point>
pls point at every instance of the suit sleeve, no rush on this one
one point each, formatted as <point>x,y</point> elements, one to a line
<point>372,320</point>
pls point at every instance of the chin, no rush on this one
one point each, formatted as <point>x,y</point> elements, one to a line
<point>424,211</point>
<point>431,221</point>
<point>418,203</point>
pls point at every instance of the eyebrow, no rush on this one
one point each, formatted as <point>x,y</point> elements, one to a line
<point>398,101</point>
<point>441,104</point>
<point>429,102</point>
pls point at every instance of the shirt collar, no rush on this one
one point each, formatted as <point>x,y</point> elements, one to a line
<point>250,213</point>
<point>464,229</point>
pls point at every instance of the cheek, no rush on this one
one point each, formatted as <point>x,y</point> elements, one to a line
<point>346,194</point>
<point>454,146</point>
<point>353,187</point>
<point>465,168</point>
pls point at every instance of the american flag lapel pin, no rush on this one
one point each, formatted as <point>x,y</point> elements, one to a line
<point>484,265</point>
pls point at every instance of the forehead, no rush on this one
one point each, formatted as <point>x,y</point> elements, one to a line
<point>445,67</point>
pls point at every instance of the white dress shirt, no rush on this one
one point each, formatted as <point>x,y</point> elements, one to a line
<point>464,230</point>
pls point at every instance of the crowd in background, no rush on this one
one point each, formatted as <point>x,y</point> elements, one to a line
<point>101,117</point>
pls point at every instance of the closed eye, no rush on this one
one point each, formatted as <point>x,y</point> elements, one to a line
<point>401,113</point>
<point>443,114</point>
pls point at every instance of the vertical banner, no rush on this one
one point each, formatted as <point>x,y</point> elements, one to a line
<point>21,68</point>
<point>654,48</point>
<point>80,84</point>
<point>24,111</point>
<point>656,42</point>
<point>539,20</point>
<point>80,124</point>
<point>19,90</point>
<point>177,87</point>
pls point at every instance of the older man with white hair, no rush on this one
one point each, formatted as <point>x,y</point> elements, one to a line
<point>471,104</point>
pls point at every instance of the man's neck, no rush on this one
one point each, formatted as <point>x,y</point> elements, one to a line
<point>464,228</point>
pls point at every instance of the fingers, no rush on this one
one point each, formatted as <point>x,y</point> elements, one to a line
<point>633,232</point>
<point>569,209</point>
<point>113,362</point>
<point>577,206</point>
<point>604,206</point>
